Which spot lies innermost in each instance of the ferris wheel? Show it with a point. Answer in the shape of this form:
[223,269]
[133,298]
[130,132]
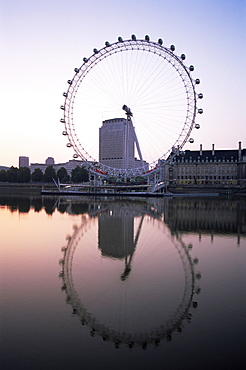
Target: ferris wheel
[141,83]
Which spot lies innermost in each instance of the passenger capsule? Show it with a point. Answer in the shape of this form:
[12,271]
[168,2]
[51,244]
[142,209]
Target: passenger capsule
[172,47]
[183,56]
[195,261]
[64,133]
[62,107]
[197,81]
[75,156]
[200,110]
[191,140]
[197,125]
[69,82]
[76,70]
[69,145]
[134,37]
[65,94]
[85,60]
[192,68]
[62,120]
[200,96]
[95,51]
[107,43]
[160,41]
[147,37]
[120,39]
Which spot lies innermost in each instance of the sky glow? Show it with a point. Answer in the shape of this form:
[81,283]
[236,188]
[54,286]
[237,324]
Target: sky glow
[42,41]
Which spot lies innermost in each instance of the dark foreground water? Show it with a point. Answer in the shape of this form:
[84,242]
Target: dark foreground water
[104,284]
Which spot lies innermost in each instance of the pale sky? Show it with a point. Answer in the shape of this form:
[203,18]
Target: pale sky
[42,41]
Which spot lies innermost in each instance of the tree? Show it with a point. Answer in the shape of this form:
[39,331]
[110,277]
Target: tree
[24,174]
[49,174]
[80,174]
[37,175]
[3,176]
[62,175]
[12,174]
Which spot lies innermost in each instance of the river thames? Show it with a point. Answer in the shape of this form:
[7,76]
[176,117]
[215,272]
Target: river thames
[123,284]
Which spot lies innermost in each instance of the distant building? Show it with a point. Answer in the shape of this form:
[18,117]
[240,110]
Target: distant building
[42,166]
[70,165]
[4,168]
[225,167]
[50,161]
[23,162]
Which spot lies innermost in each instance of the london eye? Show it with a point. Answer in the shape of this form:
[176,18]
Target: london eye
[143,83]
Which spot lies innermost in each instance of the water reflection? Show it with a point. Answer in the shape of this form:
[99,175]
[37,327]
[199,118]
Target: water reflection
[205,216]
[181,214]
[202,216]
[121,242]
[131,272]
[126,277]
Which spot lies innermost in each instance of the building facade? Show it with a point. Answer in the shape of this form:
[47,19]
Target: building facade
[23,161]
[116,143]
[222,167]
[199,167]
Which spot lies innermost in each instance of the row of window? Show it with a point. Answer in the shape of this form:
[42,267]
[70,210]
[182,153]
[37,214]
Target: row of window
[205,160]
[208,171]
[190,177]
[206,168]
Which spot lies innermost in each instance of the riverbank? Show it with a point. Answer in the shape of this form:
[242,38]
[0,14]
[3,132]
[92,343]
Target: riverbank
[225,190]
[29,188]
[35,188]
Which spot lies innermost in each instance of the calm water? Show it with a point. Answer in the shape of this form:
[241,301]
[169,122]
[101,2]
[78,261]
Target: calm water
[104,284]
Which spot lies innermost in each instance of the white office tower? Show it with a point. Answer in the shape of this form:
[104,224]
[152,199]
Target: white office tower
[116,143]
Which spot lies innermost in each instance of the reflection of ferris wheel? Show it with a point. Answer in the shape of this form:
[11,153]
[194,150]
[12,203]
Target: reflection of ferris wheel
[156,91]
[141,312]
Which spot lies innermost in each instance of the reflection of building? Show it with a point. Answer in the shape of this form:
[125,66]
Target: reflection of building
[23,162]
[206,215]
[136,314]
[119,241]
[225,167]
